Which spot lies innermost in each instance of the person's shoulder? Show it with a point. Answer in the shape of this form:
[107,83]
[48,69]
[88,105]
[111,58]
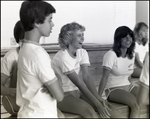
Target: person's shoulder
[36,52]
[40,51]
[111,53]
[61,54]
[81,51]
[12,52]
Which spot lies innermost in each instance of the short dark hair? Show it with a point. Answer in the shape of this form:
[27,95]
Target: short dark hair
[120,33]
[34,12]
[137,28]
[18,31]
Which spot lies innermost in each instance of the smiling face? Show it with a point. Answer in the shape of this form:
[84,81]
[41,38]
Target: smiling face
[46,28]
[126,41]
[77,39]
[143,32]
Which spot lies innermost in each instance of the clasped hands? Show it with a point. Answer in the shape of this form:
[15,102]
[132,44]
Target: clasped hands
[104,109]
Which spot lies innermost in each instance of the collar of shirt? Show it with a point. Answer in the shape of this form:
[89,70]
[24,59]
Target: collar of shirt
[29,41]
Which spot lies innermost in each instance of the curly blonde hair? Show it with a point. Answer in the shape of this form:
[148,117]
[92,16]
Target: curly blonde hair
[66,33]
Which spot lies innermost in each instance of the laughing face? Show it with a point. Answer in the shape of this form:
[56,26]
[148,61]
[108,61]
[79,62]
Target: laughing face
[78,38]
[126,41]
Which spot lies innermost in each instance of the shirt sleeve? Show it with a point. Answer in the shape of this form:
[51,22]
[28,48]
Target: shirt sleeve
[7,65]
[109,59]
[66,65]
[44,69]
[84,58]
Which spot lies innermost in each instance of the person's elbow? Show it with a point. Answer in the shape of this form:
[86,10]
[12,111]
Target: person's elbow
[60,97]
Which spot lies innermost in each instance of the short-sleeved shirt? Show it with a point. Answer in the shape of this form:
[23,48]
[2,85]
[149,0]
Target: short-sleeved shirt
[8,62]
[63,63]
[144,77]
[141,50]
[34,70]
[121,69]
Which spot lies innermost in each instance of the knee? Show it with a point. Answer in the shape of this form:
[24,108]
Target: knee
[134,105]
[88,112]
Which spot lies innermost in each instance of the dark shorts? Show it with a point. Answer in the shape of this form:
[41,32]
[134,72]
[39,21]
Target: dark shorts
[75,93]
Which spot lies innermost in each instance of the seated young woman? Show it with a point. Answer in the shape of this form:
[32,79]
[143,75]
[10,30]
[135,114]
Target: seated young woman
[9,73]
[141,47]
[118,65]
[67,64]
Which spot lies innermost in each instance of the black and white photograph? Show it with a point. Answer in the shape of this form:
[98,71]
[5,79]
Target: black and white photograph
[74,59]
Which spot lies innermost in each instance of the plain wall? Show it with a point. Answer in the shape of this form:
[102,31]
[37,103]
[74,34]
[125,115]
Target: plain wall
[100,18]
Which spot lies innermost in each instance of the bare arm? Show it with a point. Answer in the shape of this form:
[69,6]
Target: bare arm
[82,87]
[137,60]
[106,72]
[55,90]
[89,82]
[87,93]
[4,90]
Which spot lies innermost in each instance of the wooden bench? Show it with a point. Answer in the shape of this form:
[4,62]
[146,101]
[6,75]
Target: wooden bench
[96,53]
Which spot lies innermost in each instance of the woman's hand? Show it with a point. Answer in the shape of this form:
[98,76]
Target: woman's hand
[103,112]
[45,90]
[105,103]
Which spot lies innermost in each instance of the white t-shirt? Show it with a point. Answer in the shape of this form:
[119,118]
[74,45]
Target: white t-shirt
[144,77]
[7,63]
[63,63]
[34,70]
[141,50]
[121,69]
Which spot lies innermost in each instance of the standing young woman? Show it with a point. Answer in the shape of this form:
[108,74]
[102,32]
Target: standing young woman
[34,64]
[141,46]
[118,64]
[67,63]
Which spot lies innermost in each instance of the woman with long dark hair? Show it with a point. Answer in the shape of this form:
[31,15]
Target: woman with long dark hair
[118,64]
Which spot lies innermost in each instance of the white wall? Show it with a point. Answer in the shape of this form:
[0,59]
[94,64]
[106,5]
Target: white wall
[100,18]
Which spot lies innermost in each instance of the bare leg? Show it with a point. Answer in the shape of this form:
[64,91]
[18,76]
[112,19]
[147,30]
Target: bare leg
[114,112]
[75,105]
[135,91]
[126,98]
[143,95]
